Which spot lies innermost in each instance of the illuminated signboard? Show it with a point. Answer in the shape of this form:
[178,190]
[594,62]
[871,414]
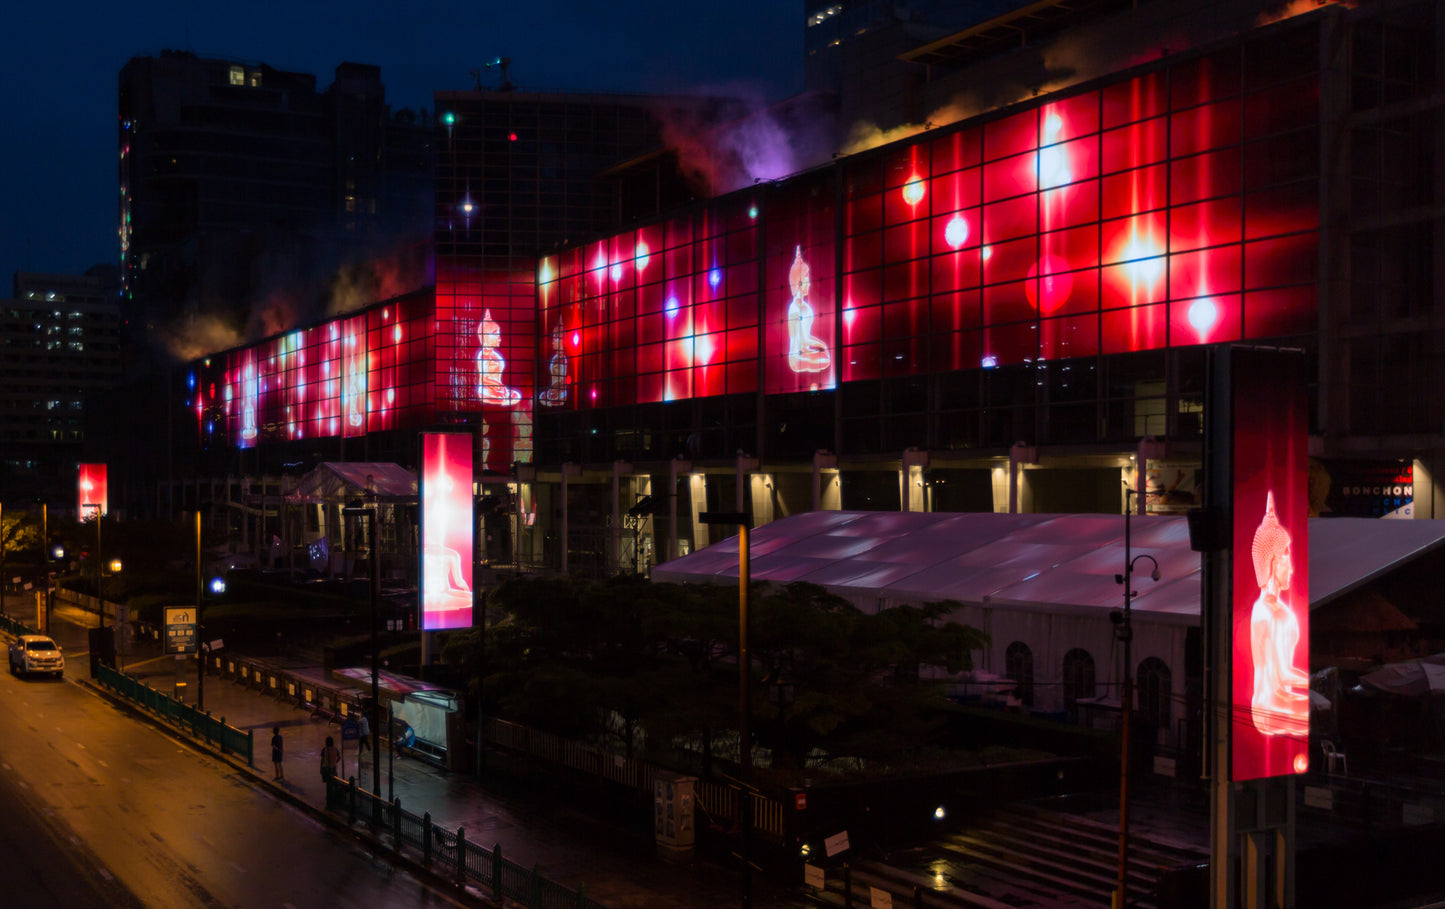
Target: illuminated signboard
[1270,599]
[446,530]
[1176,208]
[92,491]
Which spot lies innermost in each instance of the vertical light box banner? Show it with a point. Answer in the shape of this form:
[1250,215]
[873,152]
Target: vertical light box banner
[1270,575]
[446,530]
[91,491]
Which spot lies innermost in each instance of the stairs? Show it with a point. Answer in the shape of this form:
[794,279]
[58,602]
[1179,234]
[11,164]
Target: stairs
[1024,856]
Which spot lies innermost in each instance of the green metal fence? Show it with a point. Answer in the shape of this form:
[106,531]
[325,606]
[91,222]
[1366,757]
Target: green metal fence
[198,723]
[450,853]
[15,627]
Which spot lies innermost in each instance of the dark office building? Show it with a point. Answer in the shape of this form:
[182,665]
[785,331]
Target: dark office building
[247,194]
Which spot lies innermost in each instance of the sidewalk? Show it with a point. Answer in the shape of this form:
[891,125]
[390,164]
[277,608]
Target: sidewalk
[617,867]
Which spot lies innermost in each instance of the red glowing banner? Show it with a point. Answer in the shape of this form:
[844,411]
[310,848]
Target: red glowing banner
[1270,600]
[92,491]
[446,530]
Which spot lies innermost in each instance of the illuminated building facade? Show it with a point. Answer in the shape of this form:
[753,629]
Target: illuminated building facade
[1007,312]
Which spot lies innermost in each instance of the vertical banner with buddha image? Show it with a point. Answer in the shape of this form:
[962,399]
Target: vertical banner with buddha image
[1270,573]
[446,530]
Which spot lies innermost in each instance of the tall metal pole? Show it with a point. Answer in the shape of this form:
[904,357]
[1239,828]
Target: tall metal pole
[374,720]
[1127,707]
[745,745]
[200,600]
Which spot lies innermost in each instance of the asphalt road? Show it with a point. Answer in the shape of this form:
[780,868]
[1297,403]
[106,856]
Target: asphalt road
[99,809]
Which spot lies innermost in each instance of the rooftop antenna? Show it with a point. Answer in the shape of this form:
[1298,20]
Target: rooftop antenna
[503,63]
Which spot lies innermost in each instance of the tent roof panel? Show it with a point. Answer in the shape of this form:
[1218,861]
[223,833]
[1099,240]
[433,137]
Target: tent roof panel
[1062,562]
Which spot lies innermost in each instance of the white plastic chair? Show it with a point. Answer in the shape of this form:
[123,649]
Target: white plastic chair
[1334,758]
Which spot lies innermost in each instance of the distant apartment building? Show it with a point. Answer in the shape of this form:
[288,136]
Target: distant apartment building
[59,347]
[237,179]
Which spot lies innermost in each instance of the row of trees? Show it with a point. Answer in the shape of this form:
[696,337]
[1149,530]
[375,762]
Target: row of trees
[651,668]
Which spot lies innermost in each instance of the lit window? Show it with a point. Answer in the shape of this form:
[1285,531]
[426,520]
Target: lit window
[255,80]
[238,76]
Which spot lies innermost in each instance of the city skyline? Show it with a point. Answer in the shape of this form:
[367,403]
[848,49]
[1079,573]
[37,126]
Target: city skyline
[59,199]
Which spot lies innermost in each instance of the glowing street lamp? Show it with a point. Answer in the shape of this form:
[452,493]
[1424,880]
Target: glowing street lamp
[1124,631]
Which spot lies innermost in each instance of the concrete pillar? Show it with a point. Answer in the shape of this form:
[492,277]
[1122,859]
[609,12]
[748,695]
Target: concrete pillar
[825,471]
[675,467]
[614,545]
[745,466]
[697,503]
[568,470]
[1018,455]
[911,494]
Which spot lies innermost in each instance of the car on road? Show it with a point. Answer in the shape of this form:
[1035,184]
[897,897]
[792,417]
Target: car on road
[36,653]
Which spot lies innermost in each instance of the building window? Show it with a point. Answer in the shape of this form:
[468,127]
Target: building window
[1154,683]
[1018,663]
[255,80]
[238,76]
[1078,676]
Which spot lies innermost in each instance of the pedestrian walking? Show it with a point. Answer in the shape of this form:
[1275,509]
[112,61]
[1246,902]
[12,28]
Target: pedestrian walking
[363,729]
[276,747]
[330,757]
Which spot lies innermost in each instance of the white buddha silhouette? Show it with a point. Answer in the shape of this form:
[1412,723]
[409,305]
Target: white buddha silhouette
[355,382]
[444,583]
[806,352]
[248,402]
[556,392]
[1280,703]
[490,365]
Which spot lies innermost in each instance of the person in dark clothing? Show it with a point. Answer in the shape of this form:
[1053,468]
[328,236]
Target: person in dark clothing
[276,748]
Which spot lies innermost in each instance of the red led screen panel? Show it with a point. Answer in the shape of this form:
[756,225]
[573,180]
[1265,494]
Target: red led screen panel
[1147,214]
[1270,599]
[487,350]
[345,377]
[446,530]
[799,342]
[92,491]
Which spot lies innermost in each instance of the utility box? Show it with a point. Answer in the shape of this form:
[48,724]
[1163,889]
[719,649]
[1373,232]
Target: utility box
[674,806]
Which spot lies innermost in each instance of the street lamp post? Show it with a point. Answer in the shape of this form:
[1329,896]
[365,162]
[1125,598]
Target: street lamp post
[745,747]
[368,514]
[200,601]
[1124,630]
[100,600]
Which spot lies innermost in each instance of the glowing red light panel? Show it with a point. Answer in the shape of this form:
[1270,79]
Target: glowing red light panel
[346,377]
[1167,210]
[92,491]
[446,530]
[486,350]
[1271,711]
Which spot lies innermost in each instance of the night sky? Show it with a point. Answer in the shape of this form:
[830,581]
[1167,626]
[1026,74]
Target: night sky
[59,64]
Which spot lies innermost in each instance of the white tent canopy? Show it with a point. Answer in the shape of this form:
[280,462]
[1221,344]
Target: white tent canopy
[1056,562]
[1044,581]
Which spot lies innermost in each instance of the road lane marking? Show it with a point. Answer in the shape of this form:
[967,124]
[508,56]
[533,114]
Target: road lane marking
[238,868]
[105,874]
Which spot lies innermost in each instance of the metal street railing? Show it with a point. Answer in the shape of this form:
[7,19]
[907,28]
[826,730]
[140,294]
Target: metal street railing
[449,852]
[200,724]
